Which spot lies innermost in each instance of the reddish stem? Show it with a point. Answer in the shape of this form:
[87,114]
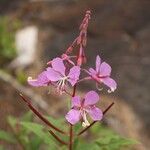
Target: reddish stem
[40,115]
[57,138]
[74,90]
[71,126]
[71,137]
[104,112]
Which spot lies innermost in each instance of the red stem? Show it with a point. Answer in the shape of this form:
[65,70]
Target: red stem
[57,138]
[74,90]
[71,137]
[40,115]
[104,112]
[71,126]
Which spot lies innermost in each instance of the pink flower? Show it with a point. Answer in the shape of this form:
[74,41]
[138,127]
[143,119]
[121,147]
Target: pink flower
[57,74]
[80,109]
[41,80]
[102,74]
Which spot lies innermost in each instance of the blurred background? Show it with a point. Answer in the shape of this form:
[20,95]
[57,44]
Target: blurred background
[34,31]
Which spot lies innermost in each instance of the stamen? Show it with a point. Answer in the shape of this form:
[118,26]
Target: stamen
[61,84]
[85,123]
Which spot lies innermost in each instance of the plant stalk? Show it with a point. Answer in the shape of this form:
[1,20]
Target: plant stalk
[57,138]
[71,137]
[40,115]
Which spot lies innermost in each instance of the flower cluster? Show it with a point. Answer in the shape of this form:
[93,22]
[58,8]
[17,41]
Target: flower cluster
[65,71]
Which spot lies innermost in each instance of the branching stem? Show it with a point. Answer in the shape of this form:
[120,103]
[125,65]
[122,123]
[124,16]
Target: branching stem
[104,112]
[40,115]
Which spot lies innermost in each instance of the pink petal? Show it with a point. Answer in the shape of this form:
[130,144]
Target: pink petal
[73,116]
[74,75]
[105,69]
[110,83]
[98,63]
[41,80]
[92,72]
[52,74]
[58,65]
[76,102]
[95,113]
[91,98]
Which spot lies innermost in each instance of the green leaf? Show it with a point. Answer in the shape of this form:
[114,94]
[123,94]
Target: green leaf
[114,142]
[7,137]
[39,131]
[35,142]
[28,116]
[87,146]
[59,122]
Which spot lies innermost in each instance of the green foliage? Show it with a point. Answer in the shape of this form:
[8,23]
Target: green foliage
[39,131]
[21,77]
[6,136]
[33,135]
[104,139]
[7,39]
[23,135]
[114,142]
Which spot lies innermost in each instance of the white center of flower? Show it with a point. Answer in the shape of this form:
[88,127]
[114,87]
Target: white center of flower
[85,122]
[61,84]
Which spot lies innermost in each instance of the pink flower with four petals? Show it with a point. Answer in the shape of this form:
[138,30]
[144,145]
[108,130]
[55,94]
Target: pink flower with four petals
[102,74]
[80,109]
[57,74]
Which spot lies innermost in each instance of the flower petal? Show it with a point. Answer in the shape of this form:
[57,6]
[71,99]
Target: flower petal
[52,74]
[91,98]
[41,80]
[73,116]
[92,72]
[105,69]
[58,65]
[74,75]
[95,113]
[110,83]
[76,102]
[98,63]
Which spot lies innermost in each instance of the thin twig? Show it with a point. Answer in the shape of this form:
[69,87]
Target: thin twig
[104,112]
[40,115]
[57,138]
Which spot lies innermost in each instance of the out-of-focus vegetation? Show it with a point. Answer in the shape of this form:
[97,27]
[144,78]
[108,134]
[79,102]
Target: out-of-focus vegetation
[21,77]
[31,135]
[7,39]
[7,44]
